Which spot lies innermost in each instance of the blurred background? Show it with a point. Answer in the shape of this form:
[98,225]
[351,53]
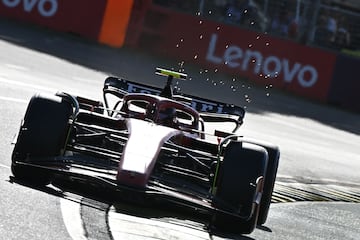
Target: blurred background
[330,24]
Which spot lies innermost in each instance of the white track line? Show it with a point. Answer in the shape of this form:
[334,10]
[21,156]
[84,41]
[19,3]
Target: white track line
[28,85]
[10,99]
[4,166]
[123,226]
[72,219]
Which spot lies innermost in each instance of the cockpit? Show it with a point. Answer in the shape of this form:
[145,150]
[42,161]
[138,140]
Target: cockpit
[160,110]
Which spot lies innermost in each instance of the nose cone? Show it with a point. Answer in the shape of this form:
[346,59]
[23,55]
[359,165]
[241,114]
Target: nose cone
[141,151]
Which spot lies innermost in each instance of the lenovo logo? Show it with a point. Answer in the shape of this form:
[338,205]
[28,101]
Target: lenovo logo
[271,66]
[46,8]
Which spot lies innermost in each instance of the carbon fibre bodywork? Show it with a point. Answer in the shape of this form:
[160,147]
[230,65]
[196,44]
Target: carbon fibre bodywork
[126,146]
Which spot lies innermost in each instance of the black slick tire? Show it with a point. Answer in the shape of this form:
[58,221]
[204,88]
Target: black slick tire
[270,177]
[42,135]
[243,164]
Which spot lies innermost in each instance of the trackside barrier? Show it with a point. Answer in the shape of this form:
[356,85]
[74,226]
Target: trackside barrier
[259,57]
[305,71]
[101,20]
[75,16]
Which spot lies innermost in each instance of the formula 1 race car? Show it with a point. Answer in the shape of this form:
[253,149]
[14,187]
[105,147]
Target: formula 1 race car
[151,142]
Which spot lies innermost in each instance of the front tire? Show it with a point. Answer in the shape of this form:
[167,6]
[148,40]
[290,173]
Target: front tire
[42,135]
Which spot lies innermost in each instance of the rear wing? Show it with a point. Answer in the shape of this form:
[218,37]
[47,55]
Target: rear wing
[210,110]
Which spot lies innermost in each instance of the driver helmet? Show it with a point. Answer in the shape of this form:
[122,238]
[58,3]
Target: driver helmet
[167,116]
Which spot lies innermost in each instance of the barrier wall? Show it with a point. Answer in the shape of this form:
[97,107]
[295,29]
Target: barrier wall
[76,16]
[105,21]
[259,57]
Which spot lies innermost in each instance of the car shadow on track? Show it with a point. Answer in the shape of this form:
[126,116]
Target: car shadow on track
[64,190]
[44,189]
[176,216]
[125,62]
[103,201]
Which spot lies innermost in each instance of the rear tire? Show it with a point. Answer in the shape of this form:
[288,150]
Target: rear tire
[270,177]
[243,164]
[42,135]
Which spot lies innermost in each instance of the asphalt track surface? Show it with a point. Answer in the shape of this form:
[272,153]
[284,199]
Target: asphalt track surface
[319,144]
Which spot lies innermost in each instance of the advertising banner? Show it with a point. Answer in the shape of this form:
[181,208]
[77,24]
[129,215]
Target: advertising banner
[259,57]
[75,16]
